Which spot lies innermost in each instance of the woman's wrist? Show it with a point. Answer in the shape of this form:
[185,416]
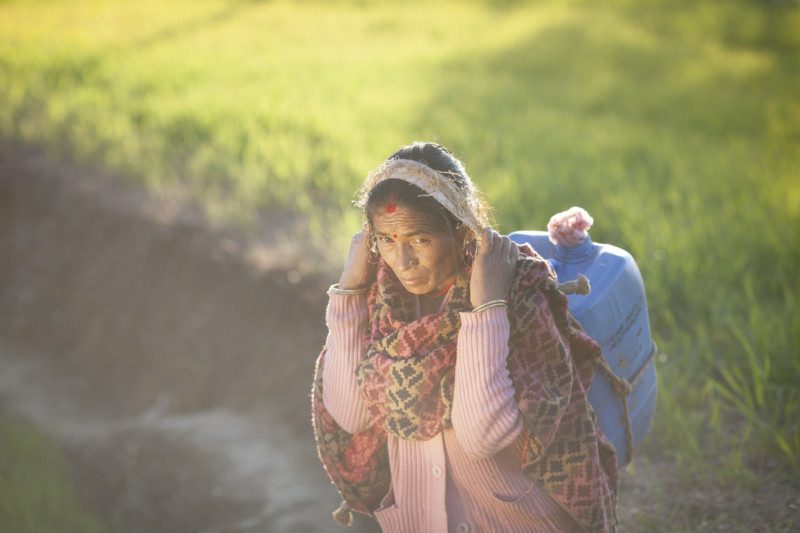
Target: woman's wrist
[337,288]
[354,282]
[489,305]
[487,296]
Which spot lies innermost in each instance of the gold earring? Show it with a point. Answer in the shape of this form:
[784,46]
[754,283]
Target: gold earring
[468,251]
[373,251]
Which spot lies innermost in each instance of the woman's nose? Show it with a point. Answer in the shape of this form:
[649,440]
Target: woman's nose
[406,258]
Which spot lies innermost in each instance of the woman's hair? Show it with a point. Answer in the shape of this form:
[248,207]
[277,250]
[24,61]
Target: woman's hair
[400,192]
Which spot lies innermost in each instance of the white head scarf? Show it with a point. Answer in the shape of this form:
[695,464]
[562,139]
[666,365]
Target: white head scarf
[460,198]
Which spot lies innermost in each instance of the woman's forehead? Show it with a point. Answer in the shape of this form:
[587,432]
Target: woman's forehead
[402,220]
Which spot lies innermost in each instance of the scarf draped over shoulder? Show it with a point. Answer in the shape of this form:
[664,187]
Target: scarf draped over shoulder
[406,381]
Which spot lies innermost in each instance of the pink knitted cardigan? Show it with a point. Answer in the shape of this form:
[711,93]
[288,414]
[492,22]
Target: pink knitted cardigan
[573,464]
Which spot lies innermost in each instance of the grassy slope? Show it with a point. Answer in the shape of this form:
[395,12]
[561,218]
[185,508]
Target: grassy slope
[37,493]
[677,124]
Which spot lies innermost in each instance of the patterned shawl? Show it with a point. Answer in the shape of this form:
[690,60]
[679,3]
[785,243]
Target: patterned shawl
[406,380]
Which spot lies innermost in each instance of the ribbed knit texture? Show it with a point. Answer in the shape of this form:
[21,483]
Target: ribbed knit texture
[469,475]
[347,318]
[485,415]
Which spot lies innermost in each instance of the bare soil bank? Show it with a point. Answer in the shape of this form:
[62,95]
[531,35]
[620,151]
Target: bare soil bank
[178,360]
[140,306]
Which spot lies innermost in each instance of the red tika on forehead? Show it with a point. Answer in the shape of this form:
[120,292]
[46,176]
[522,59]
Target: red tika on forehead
[390,208]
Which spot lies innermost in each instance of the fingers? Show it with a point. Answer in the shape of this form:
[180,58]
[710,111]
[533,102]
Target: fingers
[364,240]
[487,242]
[360,247]
[494,244]
[358,242]
[513,252]
[505,248]
[358,270]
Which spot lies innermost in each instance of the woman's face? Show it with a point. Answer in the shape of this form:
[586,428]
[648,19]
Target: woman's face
[423,258]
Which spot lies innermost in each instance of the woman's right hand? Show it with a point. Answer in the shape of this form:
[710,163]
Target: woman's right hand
[358,271]
[493,268]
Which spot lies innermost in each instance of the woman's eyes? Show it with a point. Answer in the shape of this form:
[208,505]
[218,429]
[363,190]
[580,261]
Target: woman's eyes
[419,241]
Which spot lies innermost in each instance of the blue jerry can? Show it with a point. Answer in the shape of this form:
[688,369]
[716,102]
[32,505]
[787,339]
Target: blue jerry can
[614,313]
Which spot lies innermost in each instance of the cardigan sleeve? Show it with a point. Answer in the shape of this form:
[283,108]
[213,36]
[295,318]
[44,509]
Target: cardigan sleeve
[347,319]
[485,415]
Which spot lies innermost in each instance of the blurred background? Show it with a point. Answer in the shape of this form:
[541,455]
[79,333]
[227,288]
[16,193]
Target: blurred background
[176,186]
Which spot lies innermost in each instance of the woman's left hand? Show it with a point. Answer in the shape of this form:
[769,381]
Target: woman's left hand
[493,268]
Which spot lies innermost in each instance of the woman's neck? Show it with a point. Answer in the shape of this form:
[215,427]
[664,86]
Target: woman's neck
[431,303]
[428,305]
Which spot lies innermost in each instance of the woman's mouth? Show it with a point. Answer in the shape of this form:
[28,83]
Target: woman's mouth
[418,280]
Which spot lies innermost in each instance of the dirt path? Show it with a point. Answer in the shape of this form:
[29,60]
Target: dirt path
[172,360]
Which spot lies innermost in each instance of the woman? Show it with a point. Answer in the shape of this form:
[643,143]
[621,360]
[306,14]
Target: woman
[451,394]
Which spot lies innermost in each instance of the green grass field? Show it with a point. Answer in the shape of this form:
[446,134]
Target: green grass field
[675,123]
[37,491]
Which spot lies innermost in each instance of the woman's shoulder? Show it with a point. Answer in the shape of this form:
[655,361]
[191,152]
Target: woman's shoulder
[533,270]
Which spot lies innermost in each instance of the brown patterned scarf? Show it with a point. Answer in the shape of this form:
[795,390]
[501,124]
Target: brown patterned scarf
[406,381]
